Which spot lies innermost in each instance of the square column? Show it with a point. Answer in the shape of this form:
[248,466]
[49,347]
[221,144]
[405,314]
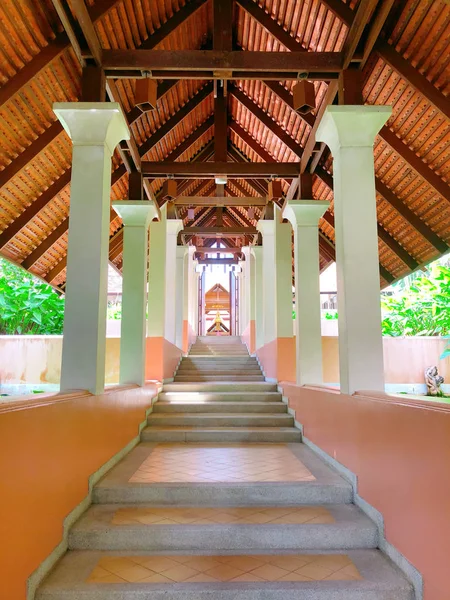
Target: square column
[350,131]
[95,129]
[249,282]
[173,227]
[304,217]
[181,293]
[277,278]
[257,252]
[136,216]
[242,297]
[156,277]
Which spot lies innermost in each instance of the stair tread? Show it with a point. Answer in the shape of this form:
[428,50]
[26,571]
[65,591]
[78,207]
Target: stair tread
[224,414]
[378,578]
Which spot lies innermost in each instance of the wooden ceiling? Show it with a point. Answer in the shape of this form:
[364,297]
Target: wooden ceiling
[400,47]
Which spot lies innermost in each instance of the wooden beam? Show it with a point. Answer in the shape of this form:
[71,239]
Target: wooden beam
[219,231]
[217,261]
[220,120]
[208,170]
[409,156]
[340,10]
[360,20]
[186,62]
[223,25]
[206,250]
[262,116]
[269,24]
[60,44]
[414,77]
[376,26]
[65,16]
[173,121]
[220,201]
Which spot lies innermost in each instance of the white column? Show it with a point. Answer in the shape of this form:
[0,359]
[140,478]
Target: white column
[257,252]
[350,132]
[304,217]
[95,129]
[181,293]
[156,277]
[174,226]
[195,298]
[136,216]
[242,297]
[189,292]
[249,293]
[277,278]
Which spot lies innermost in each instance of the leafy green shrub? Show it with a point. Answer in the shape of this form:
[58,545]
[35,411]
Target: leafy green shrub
[422,309]
[28,306]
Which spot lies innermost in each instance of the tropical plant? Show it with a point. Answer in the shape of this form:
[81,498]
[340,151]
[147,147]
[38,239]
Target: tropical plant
[28,306]
[421,309]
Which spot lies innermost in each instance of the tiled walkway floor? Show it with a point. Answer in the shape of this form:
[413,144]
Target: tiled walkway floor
[211,516]
[197,569]
[205,463]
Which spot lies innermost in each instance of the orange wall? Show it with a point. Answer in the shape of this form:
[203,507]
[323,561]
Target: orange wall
[188,336]
[162,359]
[400,452]
[48,450]
[278,359]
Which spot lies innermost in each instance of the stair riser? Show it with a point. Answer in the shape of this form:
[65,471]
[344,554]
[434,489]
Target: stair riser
[222,421]
[235,538]
[198,494]
[230,378]
[219,372]
[236,388]
[205,397]
[220,407]
[219,366]
[275,437]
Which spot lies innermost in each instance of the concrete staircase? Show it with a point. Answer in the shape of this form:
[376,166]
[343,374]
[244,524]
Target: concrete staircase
[243,511]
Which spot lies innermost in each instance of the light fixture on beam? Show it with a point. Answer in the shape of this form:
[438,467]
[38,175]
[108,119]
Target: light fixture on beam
[169,192]
[146,93]
[304,100]
[221,180]
[191,213]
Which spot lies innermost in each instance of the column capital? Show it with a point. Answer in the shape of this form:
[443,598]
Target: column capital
[93,123]
[174,226]
[135,213]
[246,251]
[257,251]
[182,251]
[266,227]
[352,125]
[305,213]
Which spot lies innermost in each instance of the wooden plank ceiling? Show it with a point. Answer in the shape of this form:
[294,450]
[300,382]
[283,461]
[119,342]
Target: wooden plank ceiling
[400,47]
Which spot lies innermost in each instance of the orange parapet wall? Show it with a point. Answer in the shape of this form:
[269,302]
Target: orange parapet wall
[278,359]
[48,450]
[400,452]
[162,359]
[249,337]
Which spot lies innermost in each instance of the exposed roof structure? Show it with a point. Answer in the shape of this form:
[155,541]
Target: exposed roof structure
[401,48]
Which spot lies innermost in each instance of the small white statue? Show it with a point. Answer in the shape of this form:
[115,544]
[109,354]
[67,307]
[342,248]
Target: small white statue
[433,381]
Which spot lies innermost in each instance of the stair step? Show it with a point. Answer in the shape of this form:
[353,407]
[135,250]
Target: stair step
[377,578]
[215,420]
[194,406]
[225,386]
[221,434]
[233,372]
[241,529]
[220,396]
[230,377]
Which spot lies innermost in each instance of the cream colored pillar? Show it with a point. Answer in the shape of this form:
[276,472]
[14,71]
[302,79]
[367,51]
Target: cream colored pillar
[350,132]
[304,217]
[156,277]
[174,226]
[181,292]
[136,216]
[242,275]
[277,278]
[257,252]
[95,129]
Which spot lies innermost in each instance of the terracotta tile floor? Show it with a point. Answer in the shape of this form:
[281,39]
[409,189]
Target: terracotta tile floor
[213,516]
[221,463]
[190,569]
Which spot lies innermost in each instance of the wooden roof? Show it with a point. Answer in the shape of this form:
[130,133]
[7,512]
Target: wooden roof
[401,47]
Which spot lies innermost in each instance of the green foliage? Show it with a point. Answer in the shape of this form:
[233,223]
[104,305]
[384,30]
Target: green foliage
[331,316]
[422,309]
[28,306]
[114,311]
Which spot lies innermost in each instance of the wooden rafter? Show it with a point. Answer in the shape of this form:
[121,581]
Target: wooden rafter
[208,170]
